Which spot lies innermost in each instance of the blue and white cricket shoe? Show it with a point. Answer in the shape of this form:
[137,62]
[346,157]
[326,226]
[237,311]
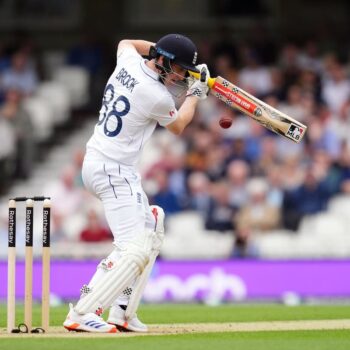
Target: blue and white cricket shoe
[117,318]
[89,322]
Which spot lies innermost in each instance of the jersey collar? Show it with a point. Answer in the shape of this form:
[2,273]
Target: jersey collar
[148,71]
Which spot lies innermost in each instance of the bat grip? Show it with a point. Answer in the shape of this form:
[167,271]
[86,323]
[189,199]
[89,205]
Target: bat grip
[211,81]
[203,75]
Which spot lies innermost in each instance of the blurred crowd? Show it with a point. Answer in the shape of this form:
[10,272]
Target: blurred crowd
[247,179]
[18,79]
[242,180]
[40,91]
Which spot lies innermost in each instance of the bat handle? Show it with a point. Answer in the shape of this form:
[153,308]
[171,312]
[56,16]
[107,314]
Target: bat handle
[203,75]
[211,81]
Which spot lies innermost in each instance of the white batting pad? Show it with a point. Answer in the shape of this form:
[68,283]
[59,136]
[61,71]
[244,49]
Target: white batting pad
[127,269]
[158,212]
[141,282]
[139,288]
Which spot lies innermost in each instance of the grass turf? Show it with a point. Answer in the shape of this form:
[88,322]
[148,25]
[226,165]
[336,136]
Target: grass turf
[199,313]
[282,340]
[301,340]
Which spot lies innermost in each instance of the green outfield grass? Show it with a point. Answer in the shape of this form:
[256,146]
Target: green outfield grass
[279,340]
[293,340]
[201,314]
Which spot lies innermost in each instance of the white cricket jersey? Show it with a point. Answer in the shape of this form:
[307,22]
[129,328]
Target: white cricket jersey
[134,102]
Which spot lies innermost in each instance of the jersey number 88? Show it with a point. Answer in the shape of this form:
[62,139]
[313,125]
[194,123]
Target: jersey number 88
[116,125]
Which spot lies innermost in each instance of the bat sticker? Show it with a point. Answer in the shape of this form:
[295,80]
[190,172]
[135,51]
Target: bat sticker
[258,112]
[295,132]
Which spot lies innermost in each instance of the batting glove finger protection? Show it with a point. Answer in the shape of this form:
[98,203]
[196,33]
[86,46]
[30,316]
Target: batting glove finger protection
[200,87]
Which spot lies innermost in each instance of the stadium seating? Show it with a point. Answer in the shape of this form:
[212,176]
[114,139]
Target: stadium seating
[58,97]
[41,114]
[76,81]
[186,238]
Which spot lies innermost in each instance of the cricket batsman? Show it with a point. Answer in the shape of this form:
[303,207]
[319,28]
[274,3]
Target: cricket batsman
[137,97]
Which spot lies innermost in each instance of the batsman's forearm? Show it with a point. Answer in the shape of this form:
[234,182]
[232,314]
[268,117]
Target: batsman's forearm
[185,115]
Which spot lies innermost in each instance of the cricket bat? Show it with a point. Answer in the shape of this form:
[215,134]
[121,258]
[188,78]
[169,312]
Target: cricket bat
[260,111]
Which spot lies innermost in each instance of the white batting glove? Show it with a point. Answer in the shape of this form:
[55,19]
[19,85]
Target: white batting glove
[200,87]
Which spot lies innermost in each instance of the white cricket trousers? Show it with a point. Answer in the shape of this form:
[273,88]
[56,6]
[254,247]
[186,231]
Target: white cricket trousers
[125,204]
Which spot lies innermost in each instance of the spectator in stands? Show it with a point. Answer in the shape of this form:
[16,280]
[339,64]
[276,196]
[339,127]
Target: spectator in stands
[293,105]
[238,150]
[7,149]
[94,230]
[327,171]
[322,133]
[310,84]
[215,160]
[343,166]
[199,192]
[67,205]
[254,78]
[293,173]
[309,57]
[237,175]
[177,176]
[21,75]
[164,197]
[220,213]
[199,143]
[172,162]
[12,110]
[311,197]
[341,125]
[257,215]
[268,155]
[253,143]
[336,88]
[278,84]
[288,150]
[274,178]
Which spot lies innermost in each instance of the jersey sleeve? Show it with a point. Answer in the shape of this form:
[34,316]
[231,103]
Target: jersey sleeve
[164,111]
[127,55]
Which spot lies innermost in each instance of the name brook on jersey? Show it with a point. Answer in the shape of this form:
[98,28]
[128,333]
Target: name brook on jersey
[126,79]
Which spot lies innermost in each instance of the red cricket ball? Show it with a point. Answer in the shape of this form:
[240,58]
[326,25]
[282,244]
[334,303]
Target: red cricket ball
[225,122]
